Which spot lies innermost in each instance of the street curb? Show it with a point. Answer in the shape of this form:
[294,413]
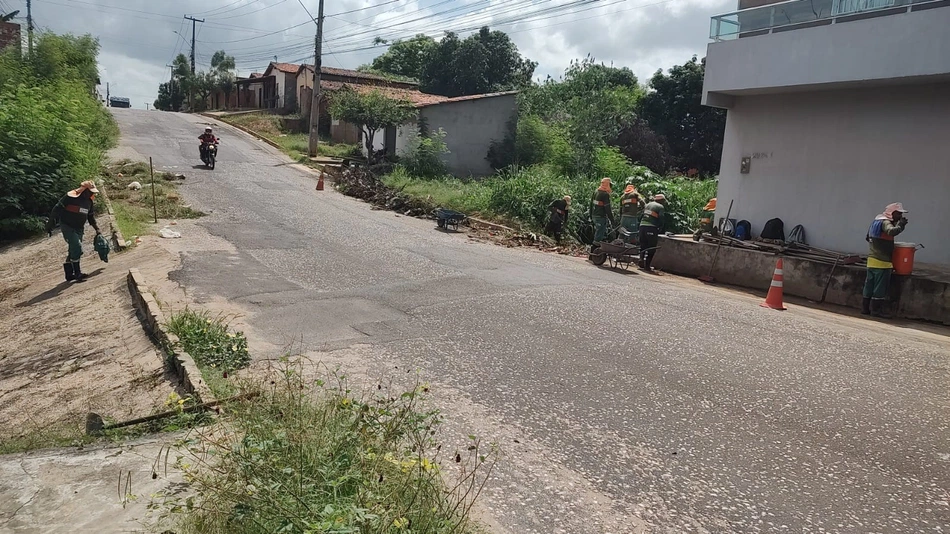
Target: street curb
[153,320]
[243,129]
[117,239]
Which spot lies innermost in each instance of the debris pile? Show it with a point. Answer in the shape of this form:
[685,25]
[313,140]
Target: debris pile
[364,184]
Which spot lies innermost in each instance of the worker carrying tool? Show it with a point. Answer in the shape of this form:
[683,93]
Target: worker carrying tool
[706,220]
[559,209]
[880,237]
[600,210]
[651,224]
[73,211]
[631,209]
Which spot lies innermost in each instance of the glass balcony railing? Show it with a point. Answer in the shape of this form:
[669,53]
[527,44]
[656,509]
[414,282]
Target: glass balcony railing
[802,14]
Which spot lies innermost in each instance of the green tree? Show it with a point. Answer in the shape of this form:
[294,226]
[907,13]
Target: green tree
[592,102]
[67,57]
[170,97]
[203,84]
[405,57]
[484,62]
[370,112]
[223,67]
[675,111]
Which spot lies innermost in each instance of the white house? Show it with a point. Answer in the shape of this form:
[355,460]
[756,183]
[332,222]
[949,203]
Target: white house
[835,109]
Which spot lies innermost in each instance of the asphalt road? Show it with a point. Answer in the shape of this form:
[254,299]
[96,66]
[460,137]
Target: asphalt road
[639,403]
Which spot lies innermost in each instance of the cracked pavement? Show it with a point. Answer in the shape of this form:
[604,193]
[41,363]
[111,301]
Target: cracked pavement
[639,404]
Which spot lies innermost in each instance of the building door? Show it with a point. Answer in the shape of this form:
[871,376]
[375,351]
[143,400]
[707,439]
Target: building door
[390,141]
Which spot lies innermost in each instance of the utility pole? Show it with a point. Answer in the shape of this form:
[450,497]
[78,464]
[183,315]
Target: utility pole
[108,101]
[193,26]
[317,67]
[29,27]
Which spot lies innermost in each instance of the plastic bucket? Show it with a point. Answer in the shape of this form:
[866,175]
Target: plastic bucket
[903,258]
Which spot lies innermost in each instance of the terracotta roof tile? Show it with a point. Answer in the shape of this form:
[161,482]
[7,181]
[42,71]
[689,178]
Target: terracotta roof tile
[291,68]
[355,74]
[446,100]
[418,98]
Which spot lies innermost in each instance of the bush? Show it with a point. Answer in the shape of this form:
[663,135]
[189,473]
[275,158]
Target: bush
[53,131]
[609,162]
[11,229]
[208,340]
[423,155]
[533,142]
[304,457]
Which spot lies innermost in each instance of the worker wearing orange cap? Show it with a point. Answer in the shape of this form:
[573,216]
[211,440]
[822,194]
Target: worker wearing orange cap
[600,210]
[631,209]
[651,224]
[706,220]
[73,211]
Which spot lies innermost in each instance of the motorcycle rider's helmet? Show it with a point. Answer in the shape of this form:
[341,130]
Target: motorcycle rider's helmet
[208,130]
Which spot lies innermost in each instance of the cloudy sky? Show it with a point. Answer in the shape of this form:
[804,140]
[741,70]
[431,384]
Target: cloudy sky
[140,37]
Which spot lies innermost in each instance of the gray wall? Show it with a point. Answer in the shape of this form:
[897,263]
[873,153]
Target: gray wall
[831,161]
[877,50]
[470,127]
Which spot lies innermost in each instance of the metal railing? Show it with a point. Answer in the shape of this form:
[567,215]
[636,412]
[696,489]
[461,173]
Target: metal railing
[803,14]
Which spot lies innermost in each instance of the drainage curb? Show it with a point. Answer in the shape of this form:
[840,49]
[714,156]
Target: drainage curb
[180,362]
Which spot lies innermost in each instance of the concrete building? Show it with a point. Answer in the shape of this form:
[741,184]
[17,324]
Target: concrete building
[835,109]
[285,79]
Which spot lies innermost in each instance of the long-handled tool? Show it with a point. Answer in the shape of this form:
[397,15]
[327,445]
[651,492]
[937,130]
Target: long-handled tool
[708,278]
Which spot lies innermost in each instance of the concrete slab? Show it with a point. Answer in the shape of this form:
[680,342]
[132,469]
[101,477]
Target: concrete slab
[80,491]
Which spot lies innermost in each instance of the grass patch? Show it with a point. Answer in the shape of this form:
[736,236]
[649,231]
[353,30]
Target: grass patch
[217,350]
[295,145]
[468,196]
[134,211]
[308,457]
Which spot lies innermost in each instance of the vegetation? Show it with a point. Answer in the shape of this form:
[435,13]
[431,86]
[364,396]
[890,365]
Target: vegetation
[134,208]
[217,350]
[296,145]
[173,94]
[310,457]
[404,58]
[424,155]
[370,112]
[53,130]
[484,62]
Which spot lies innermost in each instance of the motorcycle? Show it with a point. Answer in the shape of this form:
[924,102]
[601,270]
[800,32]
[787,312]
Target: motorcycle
[209,153]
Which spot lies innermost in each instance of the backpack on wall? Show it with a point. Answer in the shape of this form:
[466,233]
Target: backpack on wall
[774,229]
[743,230]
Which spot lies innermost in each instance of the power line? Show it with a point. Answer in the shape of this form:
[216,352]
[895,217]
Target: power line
[252,12]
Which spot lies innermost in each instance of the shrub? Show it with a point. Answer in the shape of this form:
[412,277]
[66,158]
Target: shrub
[424,153]
[53,131]
[208,340]
[303,457]
[609,162]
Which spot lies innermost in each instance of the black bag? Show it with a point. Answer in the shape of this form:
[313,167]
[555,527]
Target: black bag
[774,229]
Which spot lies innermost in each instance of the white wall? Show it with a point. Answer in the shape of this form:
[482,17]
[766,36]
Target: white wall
[470,127]
[887,48]
[832,160]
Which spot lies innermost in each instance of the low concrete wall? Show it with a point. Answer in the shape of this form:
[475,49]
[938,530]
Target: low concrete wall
[153,320]
[916,297]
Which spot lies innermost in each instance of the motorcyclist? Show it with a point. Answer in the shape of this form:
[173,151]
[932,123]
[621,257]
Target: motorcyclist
[206,139]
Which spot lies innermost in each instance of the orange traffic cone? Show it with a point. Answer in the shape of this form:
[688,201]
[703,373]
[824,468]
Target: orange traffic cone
[774,298]
[320,183]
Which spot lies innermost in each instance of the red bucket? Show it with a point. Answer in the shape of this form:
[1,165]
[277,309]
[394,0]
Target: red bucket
[903,258]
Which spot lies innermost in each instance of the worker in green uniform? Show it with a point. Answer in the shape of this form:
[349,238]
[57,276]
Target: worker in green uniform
[706,220]
[600,210]
[880,237]
[631,209]
[651,224]
[73,211]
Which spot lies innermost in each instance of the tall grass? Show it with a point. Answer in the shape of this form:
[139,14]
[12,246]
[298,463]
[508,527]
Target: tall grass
[295,145]
[308,457]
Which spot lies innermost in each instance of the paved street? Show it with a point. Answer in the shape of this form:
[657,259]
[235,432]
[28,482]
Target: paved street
[638,403]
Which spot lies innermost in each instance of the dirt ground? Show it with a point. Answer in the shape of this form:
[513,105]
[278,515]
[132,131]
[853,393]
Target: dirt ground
[68,349]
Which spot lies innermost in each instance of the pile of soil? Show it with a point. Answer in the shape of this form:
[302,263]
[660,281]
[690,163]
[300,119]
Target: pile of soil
[364,183]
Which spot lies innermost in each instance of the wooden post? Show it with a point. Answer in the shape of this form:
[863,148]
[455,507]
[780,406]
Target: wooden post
[151,172]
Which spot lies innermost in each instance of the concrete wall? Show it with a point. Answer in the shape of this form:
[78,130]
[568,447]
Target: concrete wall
[916,297]
[882,49]
[470,127]
[832,160]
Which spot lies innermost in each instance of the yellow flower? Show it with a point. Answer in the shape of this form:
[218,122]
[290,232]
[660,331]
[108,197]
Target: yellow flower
[400,522]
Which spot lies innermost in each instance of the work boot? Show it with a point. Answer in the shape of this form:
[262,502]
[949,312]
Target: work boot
[877,309]
[78,275]
[866,306]
[68,270]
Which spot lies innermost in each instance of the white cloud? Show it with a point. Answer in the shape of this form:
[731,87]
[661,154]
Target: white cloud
[138,36]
